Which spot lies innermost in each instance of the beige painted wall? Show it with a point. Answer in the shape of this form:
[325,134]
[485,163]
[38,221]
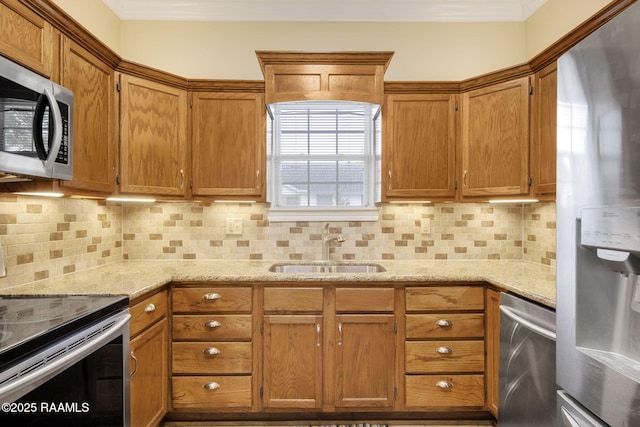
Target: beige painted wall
[424,51]
[555,19]
[97,18]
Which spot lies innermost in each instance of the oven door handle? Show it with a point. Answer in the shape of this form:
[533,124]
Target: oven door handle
[528,324]
[13,390]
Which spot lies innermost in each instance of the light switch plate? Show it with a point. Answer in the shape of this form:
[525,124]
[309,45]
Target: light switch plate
[425,226]
[234,226]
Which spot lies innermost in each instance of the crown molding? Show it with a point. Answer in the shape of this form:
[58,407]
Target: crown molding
[327,10]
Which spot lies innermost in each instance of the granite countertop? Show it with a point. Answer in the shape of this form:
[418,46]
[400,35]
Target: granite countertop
[136,278]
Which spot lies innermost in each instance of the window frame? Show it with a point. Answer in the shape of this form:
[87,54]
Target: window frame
[371,176]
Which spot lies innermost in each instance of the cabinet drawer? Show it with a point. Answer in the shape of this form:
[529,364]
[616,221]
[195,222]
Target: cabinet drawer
[445,325]
[444,390]
[211,300]
[302,300]
[214,327]
[435,298]
[147,312]
[212,358]
[444,356]
[364,300]
[208,392]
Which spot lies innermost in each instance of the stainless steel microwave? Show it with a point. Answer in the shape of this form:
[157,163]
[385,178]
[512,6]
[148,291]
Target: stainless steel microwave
[36,126]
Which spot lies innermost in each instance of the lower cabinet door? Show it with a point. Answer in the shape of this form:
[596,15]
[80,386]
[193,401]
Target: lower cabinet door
[149,378]
[292,361]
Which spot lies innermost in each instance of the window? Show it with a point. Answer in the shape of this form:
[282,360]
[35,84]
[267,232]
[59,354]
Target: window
[324,160]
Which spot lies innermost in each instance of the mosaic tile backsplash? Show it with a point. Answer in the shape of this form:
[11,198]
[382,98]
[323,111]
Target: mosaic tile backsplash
[43,238]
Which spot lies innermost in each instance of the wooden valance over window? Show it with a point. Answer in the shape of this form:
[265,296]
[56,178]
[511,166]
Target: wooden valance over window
[344,76]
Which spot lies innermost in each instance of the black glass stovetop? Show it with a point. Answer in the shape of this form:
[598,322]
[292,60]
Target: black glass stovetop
[29,323]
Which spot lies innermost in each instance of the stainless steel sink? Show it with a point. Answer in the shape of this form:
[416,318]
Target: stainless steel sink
[326,267]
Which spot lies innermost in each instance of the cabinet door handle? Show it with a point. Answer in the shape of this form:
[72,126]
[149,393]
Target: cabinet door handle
[212,324]
[389,186]
[135,365]
[181,179]
[444,384]
[150,308]
[464,178]
[258,181]
[211,386]
[339,333]
[444,323]
[444,350]
[318,335]
[211,297]
[211,351]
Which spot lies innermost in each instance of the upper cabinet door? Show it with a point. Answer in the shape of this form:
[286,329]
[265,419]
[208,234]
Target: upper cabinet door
[419,146]
[543,132]
[153,138]
[26,37]
[495,140]
[228,144]
[94,133]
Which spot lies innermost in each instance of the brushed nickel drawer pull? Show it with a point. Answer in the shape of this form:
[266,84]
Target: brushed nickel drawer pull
[211,351]
[444,350]
[444,323]
[211,296]
[150,308]
[318,335]
[444,384]
[211,386]
[213,324]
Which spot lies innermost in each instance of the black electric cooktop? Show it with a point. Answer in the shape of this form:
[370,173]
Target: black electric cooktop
[29,323]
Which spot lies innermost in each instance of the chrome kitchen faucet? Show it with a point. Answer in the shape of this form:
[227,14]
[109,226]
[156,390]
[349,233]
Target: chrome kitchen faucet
[326,239]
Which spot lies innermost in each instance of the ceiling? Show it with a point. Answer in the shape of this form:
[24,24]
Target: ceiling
[326,10]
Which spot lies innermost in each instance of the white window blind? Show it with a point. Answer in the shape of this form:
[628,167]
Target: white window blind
[322,155]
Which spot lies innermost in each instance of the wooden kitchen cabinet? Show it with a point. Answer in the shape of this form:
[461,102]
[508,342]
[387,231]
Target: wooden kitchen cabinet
[26,37]
[543,132]
[94,130]
[149,360]
[495,140]
[228,145]
[153,138]
[444,348]
[293,348]
[212,348]
[419,156]
[493,349]
[329,348]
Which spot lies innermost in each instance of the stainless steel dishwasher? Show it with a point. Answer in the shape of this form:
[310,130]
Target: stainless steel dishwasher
[527,364]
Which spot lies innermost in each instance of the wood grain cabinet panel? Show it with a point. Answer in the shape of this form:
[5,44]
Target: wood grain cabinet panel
[212,299]
[215,327]
[495,140]
[149,393]
[293,359]
[444,325]
[228,144]
[212,357]
[212,392]
[440,298]
[543,132]
[444,356]
[419,147]
[153,138]
[26,37]
[429,392]
[94,130]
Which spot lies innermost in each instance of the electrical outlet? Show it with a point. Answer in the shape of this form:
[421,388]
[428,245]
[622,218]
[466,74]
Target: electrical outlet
[234,226]
[425,226]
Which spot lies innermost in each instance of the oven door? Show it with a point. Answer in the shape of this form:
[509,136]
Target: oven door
[82,380]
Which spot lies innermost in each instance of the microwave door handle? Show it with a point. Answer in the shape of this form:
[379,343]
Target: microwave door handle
[38,119]
[55,129]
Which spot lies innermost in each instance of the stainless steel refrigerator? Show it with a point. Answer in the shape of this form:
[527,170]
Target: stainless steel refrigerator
[598,227]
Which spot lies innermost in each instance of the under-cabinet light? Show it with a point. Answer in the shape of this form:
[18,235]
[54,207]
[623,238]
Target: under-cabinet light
[40,194]
[130,199]
[514,201]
